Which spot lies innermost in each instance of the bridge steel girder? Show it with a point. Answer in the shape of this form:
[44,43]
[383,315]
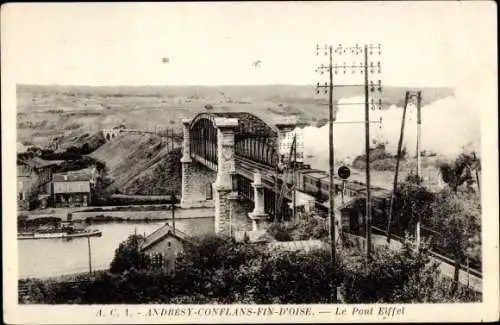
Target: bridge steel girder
[247,169]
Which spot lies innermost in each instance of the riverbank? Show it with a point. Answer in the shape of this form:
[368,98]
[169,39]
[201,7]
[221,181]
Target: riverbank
[76,276]
[131,214]
[64,211]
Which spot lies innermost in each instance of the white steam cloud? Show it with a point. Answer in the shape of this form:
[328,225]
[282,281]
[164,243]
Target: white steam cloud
[449,126]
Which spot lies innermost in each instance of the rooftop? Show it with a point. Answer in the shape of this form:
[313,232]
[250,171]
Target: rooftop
[21,148]
[73,176]
[162,232]
[317,175]
[37,162]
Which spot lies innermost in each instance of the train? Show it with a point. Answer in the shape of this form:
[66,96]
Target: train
[316,183]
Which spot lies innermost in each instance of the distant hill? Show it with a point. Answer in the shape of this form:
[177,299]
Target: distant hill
[263,92]
[45,112]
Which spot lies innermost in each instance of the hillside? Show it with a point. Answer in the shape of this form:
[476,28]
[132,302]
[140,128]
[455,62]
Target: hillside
[129,157]
[162,178]
[44,112]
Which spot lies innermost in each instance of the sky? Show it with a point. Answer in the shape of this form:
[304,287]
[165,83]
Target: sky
[423,43]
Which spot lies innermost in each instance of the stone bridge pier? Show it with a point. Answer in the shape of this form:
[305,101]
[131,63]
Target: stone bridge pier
[224,189]
[197,180]
[202,187]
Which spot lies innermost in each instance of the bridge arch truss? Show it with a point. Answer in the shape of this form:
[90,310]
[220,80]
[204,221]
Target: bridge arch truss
[254,139]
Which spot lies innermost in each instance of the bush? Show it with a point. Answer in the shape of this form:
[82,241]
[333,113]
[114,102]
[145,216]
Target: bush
[314,227]
[296,277]
[279,231]
[72,126]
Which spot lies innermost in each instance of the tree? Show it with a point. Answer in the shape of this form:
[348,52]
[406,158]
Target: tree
[128,255]
[411,204]
[457,216]
[32,194]
[219,269]
[391,276]
[414,179]
[461,171]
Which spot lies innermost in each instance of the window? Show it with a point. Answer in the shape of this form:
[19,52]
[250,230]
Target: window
[21,196]
[156,259]
[208,191]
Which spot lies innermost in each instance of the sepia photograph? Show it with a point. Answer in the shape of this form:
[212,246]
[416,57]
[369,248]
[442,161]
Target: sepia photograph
[250,162]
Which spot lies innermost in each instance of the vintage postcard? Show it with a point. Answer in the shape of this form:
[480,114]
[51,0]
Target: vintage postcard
[253,162]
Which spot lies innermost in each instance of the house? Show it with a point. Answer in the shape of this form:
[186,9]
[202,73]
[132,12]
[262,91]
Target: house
[34,177]
[74,188]
[164,245]
[21,148]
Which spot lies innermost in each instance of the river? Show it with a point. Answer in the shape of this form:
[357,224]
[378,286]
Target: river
[53,257]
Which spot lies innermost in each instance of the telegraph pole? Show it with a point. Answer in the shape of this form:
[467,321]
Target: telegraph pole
[419,122]
[368,222]
[400,144]
[173,198]
[90,256]
[294,179]
[369,86]
[419,129]
[331,212]
[476,160]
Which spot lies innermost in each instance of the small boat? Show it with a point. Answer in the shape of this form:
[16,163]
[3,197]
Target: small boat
[59,234]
